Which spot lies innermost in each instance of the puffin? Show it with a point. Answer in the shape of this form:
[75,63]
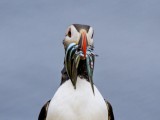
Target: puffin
[77,97]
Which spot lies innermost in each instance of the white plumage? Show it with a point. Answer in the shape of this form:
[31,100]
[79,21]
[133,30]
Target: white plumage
[77,104]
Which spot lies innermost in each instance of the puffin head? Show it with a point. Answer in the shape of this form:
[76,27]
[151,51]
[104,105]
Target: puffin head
[81,35]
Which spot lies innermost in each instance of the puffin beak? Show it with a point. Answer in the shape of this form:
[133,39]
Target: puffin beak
[83,43]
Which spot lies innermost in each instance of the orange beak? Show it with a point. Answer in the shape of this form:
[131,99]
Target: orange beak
[83,43]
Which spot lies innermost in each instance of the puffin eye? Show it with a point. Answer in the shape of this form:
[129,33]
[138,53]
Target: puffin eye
[92,35]
[69,33]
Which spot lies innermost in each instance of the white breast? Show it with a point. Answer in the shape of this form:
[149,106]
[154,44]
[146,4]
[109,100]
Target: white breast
[77,104]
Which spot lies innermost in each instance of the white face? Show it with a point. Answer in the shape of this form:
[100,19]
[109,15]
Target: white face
[73,36]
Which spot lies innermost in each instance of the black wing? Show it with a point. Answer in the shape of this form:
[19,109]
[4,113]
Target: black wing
[43,112]
[110,111]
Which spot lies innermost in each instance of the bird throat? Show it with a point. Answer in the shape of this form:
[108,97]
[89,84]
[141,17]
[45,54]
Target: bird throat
[81,72]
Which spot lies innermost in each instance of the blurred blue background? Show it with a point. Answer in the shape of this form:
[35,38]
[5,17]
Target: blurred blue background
[127,40]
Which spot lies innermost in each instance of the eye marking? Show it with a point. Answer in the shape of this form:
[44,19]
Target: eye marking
[91,32]
[69,34]
[92,35]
